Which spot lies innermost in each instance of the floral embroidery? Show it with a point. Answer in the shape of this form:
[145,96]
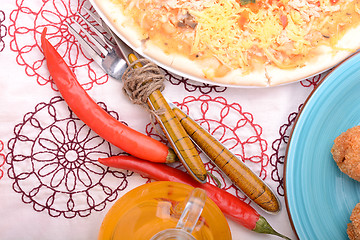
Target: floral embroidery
[279,146]
[30,19]
[233,127]
[2,159]
[3,31]
[312,81]
[53,162]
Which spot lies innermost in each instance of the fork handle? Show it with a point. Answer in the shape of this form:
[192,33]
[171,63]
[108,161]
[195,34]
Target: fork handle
[241,175]
[175,133]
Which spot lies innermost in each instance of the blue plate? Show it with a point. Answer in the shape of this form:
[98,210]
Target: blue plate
[319,197]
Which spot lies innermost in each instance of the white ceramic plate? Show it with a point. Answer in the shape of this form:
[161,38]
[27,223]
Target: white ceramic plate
[185,68]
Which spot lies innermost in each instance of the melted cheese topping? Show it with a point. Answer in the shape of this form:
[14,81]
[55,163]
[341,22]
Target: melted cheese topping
[226,35]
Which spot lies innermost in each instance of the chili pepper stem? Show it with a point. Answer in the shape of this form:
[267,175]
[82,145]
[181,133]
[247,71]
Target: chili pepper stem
[262,226]
[171,157]
[230,205]
[217,181]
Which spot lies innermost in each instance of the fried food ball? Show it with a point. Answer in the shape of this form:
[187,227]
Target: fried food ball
[353,228]
[346,152]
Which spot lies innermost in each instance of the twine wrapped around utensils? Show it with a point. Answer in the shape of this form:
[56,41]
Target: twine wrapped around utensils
[140,82]
[143,83]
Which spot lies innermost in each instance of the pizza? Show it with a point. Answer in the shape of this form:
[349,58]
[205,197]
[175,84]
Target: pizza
[239,42]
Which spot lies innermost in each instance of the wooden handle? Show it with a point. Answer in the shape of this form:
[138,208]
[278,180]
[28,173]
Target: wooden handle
[242,177]
[175,133]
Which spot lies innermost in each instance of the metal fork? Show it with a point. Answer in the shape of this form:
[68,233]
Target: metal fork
[114,60]
[101,49]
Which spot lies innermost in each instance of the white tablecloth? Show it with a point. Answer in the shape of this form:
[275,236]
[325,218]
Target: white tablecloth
[68,199]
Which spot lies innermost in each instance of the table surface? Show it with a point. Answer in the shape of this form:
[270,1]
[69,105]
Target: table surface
[43,199]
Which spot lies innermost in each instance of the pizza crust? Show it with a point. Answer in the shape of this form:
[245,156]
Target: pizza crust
[322,63]
[178,64]
[327,59]
[193,70]
[113,17]
[174,63]
[351,40]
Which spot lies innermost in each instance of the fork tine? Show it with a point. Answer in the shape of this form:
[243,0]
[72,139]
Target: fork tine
[118,47]
[96,18]
[105,40]
[88,48]
[101,48]
[100,23]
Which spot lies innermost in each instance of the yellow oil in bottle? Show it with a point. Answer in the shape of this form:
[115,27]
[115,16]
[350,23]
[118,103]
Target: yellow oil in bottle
[153,207]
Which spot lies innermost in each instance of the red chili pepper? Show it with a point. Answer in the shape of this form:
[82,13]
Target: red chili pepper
[334,1]
[231,206]
[95,117]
